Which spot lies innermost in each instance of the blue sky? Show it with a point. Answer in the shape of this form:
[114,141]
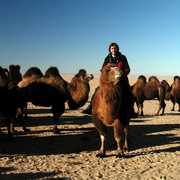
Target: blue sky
[75,34]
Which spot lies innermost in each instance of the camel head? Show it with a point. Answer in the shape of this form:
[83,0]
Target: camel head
[176,77]
[166,86]
[3,77]
[79,89]
[110,74]
[83,76]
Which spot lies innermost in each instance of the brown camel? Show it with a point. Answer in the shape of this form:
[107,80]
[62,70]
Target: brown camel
[172,93]
[76,92]
[110,106]
[143,90]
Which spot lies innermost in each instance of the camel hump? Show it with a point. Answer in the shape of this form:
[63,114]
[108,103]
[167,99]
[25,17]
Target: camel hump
[52,71]
[154,79]
[33,71]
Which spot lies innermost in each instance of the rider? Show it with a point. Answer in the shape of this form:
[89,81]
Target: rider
[116,57]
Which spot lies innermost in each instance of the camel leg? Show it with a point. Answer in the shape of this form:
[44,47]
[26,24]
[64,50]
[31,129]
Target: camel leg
[126,132]
[141,107]
[173,101]
[118,129]
[138,107]
[173,106]
[160,106]
[163,106]
[19,117]
[57,111]
[179,108]
[55,122]
[102,129]
[9,124]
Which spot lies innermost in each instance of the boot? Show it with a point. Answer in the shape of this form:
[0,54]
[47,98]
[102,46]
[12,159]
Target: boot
[88,110]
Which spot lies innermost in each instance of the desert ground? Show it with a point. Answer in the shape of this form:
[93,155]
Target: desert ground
[154,146]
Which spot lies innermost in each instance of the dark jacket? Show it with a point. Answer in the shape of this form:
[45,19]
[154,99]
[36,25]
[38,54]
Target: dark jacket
[121,60]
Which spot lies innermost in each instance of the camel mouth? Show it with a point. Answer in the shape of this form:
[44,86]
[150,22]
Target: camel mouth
[90,77]
[118,74]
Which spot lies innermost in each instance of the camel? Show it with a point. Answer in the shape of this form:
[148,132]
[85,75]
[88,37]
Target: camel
[110,106]
[3,78]
[14,76]
[39,94]
[143,90]
[6,103]
[172,93]
[76,92]
[176,91]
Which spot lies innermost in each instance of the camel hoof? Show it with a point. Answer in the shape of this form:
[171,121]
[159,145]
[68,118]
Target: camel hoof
[26,130]
[125,148]
[56,131]
[14,131]
[119,155]
[101,155]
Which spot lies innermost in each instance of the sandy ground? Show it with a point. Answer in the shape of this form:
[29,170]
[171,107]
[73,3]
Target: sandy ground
[154,146]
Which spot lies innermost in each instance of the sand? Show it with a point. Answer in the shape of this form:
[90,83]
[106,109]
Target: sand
[154,146]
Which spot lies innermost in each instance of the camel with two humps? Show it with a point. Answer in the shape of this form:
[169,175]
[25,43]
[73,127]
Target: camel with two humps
[110,107]
[143,90]
[76,92]
[172,92]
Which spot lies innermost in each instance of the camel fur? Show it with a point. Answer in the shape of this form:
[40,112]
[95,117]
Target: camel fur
[110,107]
[143,90]
[76,92]
[172,93]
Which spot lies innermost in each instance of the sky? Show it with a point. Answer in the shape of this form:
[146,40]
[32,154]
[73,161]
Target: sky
[75,34]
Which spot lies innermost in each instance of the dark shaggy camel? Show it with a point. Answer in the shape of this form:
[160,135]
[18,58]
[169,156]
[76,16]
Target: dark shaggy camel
[39,94]
[8,107]
[14,76]
[172,93]
[110,106]
[143,90]
[31,75]
[3,78]
[76,92]
[7,102]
